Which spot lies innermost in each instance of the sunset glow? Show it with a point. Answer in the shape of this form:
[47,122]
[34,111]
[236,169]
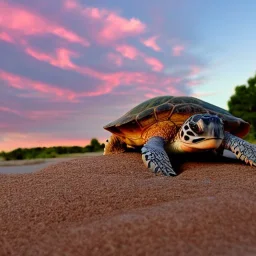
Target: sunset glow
[68,67]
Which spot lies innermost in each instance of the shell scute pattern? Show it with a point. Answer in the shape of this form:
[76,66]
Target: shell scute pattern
[163,111]
[173,109]
[146,117]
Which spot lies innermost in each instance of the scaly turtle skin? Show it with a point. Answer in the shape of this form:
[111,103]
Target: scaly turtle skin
[167,125]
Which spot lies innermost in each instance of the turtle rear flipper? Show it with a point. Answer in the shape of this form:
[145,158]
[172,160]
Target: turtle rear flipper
[114,145]
[155,158]
[243,150]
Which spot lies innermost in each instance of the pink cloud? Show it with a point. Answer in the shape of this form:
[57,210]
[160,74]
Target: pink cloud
[165,91]
[194,83]
[95,13]
[195,70]
[166,86]
[9,110]
[106,29]
[128,51]
[108,81]
[41,115]
[62,59]
[172,80]
[115,58]
[156,64]
[71,4]
[18,20]
[48,115]
[58,93]
[4,125]
[151,43]
[116,27]
[112,26]
[143,79]
[5,37]
[91,12]
[69,36]
[132,53]
[47,90]
[177,50]
[152,95]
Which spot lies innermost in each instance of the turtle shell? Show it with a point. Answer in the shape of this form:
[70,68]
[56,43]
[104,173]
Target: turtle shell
[176,110]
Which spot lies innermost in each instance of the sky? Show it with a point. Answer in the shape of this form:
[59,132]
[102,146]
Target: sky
[69,67]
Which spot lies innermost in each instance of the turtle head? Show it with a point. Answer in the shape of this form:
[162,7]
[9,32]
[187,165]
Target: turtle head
[201,132]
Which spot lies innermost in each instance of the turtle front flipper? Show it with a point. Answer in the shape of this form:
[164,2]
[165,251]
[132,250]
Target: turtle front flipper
[155,158]
[242,149]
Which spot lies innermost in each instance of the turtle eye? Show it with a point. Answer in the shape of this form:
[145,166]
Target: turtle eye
[194,127]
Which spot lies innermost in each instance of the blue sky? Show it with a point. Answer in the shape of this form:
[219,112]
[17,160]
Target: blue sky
[68,67]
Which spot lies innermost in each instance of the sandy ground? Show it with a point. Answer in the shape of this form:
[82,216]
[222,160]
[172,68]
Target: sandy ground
[112,205]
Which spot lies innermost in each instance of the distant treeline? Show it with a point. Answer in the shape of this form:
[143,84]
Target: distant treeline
[51,152]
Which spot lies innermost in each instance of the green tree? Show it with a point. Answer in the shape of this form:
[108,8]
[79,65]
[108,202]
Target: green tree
[95,145]
[88,148]
[243,104]
[43,152]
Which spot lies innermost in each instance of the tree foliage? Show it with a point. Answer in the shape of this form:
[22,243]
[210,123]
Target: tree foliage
[51,152]
[243,104]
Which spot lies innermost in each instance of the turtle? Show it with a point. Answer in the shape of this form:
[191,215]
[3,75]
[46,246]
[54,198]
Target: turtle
[163,126]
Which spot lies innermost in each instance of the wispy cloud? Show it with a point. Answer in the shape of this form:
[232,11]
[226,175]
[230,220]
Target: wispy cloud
[115,58]
[9,110]
[45,90]
[116,27]
[133,53]
[151,43]
[48,115]
[195,82]
[195,70]
[177,50]
[128,51]
[86,65]
[109,26]
[5,37]
[154,63]
[17,20]
[61,60]
[110,80]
